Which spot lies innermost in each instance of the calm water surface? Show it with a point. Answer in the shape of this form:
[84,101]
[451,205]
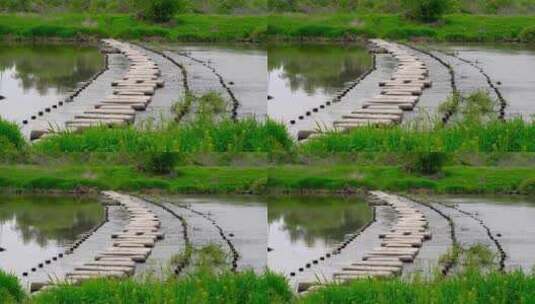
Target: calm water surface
[511,65]
[302,77]
[34,228]
[305,228]
[33,77]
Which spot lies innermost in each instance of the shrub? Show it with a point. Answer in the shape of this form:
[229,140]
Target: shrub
[426,10]
[427,163]
[160,162]
[528,34]
[527,186]
[158,10]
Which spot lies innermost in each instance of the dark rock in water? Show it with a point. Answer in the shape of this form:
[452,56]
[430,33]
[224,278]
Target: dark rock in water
[231,83]
[269,249]
[498,234]
[36,134]
[269,97]
[304,134]
[2,249]
[2,97]
[499,83]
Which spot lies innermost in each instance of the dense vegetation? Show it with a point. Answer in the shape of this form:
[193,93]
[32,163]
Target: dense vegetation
[396,6]
[344,26]
[248,287]
[133,6]
[340,26]
[82,26]
[259,6]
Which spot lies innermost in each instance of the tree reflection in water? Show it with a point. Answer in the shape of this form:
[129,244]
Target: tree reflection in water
[42,219]
[313,67]
[43,67]
[312,218]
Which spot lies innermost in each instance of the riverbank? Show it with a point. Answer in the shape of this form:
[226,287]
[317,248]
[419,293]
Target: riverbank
[257,28]
[205,28]
[310,179]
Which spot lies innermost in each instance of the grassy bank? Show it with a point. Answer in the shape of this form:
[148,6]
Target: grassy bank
[245,288]
[266,179]
[190,27]
[93,26]
[472,28]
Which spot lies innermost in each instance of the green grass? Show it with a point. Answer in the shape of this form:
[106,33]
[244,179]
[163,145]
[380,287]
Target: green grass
[201,287]
[264,179]
[209,28]
[495,136]
[10,137]
[183,27]
[202,135]
[457,27]
[10,289]
[471,287]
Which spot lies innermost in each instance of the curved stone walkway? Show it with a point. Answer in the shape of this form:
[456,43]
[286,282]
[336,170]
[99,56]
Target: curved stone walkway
[397,246]
[129,245]
[399,93]
[130,93]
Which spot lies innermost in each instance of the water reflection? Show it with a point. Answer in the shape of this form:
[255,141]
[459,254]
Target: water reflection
[302,229]
[35,76]
[304,76]
[32,228]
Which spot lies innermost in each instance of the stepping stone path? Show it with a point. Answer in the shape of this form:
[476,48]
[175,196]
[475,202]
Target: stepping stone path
[133,245]
[399,245]
[133,92]
[400,93]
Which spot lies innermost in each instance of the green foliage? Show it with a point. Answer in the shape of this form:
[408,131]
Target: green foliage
[426,10]
[478,107]
[207,107]
[527,186]
[472,287]
[160,162]
[528,35]
[158,10]
[201,287]
[203,135]
[343,26]
[10,289]
[12,142]
[514,135]
[426,163]
[188,27]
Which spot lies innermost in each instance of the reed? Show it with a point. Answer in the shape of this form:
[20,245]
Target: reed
[202,135]
[514,135]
